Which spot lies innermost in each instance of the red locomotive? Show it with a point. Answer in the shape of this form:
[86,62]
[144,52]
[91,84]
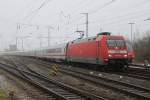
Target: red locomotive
[103,49]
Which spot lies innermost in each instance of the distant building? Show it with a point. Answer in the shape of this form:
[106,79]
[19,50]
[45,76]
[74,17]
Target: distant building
[12,48]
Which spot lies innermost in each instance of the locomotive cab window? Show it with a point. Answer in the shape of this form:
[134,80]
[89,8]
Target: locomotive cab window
[118,43]
[111,43]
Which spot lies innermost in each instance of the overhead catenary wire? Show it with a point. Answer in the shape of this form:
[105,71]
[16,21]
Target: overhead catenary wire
[101,7]
[75,11]
[118,19]
[135,6]
[30,13]
[81,5]
[34,12]
[94,11]
[28,6]
[144,2]
[124,21]
[110,23]
[125,15]
[108,3]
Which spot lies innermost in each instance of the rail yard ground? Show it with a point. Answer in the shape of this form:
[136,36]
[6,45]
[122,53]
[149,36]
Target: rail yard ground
[75,50]
[12,88]
[24,78]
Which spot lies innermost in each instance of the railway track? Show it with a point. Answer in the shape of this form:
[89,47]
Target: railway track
[141,66]
[67,92]
[17,73]
[127,88]
[140,71]
[51,88]
[138,75]
[132,72]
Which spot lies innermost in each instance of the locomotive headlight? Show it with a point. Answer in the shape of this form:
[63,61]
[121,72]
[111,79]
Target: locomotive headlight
[125,56]
[109,56]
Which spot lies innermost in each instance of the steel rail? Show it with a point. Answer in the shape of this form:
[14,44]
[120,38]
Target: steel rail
[80,92]
[127,88]
[18,75]
[137,75]
[50,88]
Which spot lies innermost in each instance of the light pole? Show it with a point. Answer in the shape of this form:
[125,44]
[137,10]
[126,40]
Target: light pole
[49,27]
[16,42]
[17,30]
[87,22]
[131,31]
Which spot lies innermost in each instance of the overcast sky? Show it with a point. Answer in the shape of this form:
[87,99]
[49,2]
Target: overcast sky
[64,17]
